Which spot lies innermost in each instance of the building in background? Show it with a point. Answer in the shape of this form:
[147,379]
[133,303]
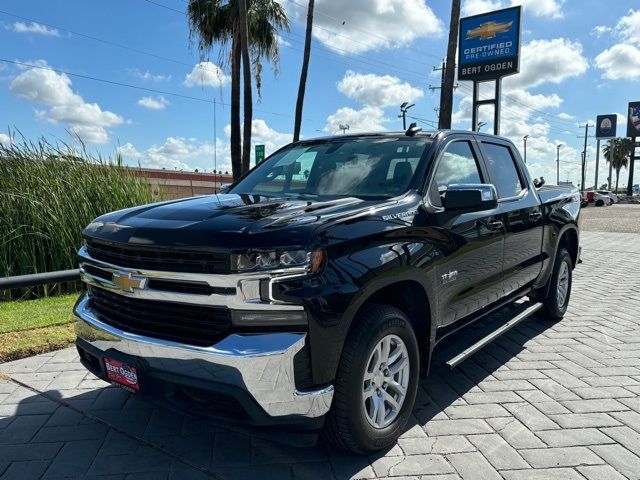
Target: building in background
[168,184]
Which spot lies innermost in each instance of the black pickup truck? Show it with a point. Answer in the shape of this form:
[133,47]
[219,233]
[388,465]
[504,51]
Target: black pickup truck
[312,293]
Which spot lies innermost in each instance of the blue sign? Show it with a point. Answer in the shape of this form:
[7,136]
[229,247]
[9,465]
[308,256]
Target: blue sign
[489,45]
[606,126]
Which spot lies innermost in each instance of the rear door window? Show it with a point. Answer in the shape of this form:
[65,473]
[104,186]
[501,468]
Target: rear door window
[503,170]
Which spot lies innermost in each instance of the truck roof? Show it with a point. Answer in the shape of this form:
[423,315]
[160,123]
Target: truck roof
[430,133]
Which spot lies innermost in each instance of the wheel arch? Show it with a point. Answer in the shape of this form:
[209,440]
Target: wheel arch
[410,296]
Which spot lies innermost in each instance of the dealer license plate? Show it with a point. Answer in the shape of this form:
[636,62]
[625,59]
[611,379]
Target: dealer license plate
[122,374]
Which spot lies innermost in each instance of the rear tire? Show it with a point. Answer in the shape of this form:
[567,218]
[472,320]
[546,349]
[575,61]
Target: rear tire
[555,304]
[372,403]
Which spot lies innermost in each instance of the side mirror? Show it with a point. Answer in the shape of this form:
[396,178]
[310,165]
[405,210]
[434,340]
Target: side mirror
[294,168]
[470,198]
[224,188]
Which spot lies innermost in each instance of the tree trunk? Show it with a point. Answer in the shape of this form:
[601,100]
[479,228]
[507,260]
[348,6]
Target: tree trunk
[303,72]
[246,80]
[617,179]
[235,145]
[446,93]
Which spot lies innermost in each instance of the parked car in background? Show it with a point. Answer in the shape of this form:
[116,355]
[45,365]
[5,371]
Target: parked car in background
[595,198]
[314,292]
[614,198]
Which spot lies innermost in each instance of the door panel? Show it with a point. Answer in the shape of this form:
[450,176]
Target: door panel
[520,213]
[470,273]
[523,242]
[470,268]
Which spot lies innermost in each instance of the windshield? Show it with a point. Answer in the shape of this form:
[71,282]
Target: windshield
[361,167]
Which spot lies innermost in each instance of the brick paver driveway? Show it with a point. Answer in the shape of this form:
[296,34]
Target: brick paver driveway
[557,401]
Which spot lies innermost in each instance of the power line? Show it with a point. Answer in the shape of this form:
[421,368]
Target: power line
[137,87]
[101,40]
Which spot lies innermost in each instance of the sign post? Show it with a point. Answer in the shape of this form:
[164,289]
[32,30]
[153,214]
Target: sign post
[605,129]
[489,49]
[259,154]
[633,131]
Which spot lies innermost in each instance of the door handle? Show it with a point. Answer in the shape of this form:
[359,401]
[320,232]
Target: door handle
[494,225]
[535,216]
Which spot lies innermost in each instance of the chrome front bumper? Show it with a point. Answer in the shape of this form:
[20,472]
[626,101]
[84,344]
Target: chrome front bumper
[260,364]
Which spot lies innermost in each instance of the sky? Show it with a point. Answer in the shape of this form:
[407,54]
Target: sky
[125,76]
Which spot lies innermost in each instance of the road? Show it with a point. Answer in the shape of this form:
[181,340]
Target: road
[616,218]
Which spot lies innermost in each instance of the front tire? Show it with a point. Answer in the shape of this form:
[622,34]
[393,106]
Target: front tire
[376,383]
[555,304]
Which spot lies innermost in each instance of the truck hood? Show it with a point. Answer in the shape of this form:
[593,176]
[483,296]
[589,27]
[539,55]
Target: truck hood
[228,221]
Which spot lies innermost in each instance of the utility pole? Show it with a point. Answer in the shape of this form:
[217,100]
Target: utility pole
[557,163]
[446,94]
[441,69]
[584,154]
[403,113]
[525,147]
[344,127]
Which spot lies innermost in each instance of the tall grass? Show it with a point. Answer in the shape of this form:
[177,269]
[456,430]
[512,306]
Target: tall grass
[48,194]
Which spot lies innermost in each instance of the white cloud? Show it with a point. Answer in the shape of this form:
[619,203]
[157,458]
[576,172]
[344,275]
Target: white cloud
[86,120]
[361,25]
[282,41]
[5,139]
[376,90]
[183,153]
[147,75]
[367,119]
[628,27]
[128,150]
[158,103]
[206,74]
[620,61]
[548,61]
[599,30]
[541,8]
[566,116]
[538,8]
[474,7]
[33,27]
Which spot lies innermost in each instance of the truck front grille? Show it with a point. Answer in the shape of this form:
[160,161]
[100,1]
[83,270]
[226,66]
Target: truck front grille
[146,258]
[177,322]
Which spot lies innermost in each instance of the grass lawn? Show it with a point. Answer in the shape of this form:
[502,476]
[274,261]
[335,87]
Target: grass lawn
[28,327]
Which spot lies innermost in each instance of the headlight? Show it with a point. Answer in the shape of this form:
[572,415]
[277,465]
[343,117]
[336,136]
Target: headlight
[272,260]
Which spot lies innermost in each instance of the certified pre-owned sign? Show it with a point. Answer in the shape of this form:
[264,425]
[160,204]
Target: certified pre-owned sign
[489,45]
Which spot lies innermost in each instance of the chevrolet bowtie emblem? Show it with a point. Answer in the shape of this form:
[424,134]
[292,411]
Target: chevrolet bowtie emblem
[488,30]
[128,282]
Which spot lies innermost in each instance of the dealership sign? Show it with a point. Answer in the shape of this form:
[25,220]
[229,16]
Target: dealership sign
[489,45]
[633,120]
[606,126]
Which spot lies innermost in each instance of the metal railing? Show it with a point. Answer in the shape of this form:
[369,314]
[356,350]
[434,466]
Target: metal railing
[37,279]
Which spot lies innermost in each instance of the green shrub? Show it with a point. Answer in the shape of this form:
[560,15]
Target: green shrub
[48,194]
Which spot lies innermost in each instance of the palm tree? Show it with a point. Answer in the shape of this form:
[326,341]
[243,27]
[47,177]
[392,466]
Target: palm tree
[246,80]
[303,72]
[217,22]
[622,150]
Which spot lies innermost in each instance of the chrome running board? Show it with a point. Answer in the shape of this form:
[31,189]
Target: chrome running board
[483,342]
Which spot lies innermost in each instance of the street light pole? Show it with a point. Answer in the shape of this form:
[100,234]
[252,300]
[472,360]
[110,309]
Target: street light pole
[403,113]
[557,164]
[525,147]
